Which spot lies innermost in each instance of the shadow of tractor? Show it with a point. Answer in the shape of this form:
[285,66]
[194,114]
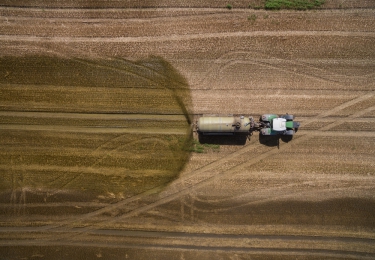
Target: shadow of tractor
[274,140]
[268,140]
[223,140]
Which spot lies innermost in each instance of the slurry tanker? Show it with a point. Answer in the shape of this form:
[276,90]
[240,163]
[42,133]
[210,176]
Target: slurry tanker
[268,124]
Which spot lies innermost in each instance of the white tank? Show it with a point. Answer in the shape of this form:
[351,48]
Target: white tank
[223,125]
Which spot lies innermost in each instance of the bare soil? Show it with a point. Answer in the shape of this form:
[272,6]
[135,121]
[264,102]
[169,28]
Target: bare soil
[97,104]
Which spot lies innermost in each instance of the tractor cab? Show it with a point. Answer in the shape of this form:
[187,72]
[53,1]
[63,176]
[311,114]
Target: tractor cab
[279,124]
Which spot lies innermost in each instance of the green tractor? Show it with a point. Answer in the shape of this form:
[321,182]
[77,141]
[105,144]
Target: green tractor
[271,124]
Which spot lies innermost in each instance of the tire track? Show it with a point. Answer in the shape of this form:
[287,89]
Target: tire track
[344,119]
[110,15]
[283,193]
[301,181]
[354,115]
[320,74]
[166,117]
[148,39]
[101,116]
[211,73]
[96,130]
[334,133]
[75,169]
[87,11]
[264,63]
[302,245]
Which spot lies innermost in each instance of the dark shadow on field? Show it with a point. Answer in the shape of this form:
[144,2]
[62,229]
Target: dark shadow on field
[113,164]
[333,211]
[223,139]
[274,140]
[286,138]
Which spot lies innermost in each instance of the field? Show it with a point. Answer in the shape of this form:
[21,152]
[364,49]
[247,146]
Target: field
[98,101]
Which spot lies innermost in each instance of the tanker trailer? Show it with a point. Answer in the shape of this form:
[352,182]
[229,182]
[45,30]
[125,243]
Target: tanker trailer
[224,125]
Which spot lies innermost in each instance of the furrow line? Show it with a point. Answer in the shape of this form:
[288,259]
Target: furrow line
[295,251]
[185,37]
[97,130]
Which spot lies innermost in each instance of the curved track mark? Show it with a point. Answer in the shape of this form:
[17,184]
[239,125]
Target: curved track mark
[283,193]
[323,75]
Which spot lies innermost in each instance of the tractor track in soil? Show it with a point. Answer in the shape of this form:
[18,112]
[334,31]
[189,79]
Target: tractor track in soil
[281,193]
[99,130]
[306,68]
[141,39]
[177,241]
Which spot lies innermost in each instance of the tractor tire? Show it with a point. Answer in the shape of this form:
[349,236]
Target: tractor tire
[288,117]
[289,132]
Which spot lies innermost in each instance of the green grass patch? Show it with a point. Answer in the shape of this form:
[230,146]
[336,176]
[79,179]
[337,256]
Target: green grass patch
[293,4]
[252,18]
[197,147]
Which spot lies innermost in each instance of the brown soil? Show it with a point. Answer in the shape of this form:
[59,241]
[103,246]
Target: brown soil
[96,103]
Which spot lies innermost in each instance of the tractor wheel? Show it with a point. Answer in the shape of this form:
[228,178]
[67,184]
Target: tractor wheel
[289,132]
[288,117]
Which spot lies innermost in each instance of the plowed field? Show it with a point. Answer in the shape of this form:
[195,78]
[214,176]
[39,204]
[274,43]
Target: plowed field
[97,105]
